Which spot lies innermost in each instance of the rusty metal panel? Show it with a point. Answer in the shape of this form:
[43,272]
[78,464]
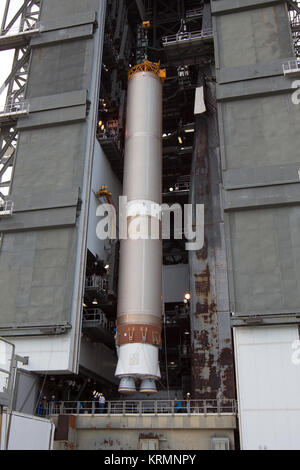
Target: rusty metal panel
[212,357]
[65,422]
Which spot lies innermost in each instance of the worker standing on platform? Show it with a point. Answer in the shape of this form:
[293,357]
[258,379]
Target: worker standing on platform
[188,403]
[101,402]
[220,398]
[178,406]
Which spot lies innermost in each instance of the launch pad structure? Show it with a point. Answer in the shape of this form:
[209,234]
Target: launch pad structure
[220,322]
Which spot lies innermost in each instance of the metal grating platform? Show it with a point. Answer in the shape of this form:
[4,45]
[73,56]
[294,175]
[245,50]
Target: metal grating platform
[14,38]
[113,154]
[181,47]
[10,112]
[291,68]
[6,208]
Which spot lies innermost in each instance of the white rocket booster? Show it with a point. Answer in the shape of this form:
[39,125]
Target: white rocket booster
[140,272]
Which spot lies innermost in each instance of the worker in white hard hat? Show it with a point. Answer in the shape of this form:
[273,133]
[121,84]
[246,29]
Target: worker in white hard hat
[188,403]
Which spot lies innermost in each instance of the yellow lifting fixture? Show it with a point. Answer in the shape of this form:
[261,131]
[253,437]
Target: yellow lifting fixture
[148,66]
[107,195]
[146,25]
[103,191]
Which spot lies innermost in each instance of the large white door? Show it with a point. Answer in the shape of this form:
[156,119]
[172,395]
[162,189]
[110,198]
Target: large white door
[268,381]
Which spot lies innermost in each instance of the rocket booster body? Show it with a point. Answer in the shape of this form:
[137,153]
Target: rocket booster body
[140,272]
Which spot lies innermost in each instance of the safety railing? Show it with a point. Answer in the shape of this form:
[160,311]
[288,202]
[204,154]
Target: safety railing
[14,108]
[183,183]
[196,12]
[187,36]
[93,315]
[15,30]
[140,407]
[177,313]
[184,350]
[6,208]
[291,66]
[108,134]
[96,282]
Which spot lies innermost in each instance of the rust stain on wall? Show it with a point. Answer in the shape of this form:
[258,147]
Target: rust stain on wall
[212,359]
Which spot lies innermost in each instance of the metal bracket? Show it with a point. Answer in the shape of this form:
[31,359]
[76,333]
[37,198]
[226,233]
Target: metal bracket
[24,360]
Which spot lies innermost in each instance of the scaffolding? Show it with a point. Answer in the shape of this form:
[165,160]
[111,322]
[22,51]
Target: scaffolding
[294,14]
[15,34]
[6,208]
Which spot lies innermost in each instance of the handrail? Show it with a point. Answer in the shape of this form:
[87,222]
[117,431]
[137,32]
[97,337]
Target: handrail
[187,36]
[15,30]
[15,107]
[6,207]
[180,311]
[291,65]
[140,407]
[95,281]
[96,315]
[194,12]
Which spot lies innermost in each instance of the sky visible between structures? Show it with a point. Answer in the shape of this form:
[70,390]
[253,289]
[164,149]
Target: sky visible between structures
[6,57]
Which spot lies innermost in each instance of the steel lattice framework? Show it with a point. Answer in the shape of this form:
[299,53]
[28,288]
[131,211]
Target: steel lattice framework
[294,14]
[15,33]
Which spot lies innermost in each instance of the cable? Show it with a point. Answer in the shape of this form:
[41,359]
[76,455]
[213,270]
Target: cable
[166,354]
[46,374]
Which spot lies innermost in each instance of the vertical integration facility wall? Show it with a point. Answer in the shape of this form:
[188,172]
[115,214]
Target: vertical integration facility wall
[268,370]
[259,134]
[212,358]
[26,432]
[42,258]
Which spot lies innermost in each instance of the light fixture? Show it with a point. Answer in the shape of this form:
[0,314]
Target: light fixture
[95,302]
[84,304]
[100,123]
[187,296]
[102,127]
[171,189]
[186,332]
[106,266]
[189,130]
[180,140]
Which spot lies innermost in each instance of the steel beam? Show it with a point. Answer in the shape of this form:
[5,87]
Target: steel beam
[141,8]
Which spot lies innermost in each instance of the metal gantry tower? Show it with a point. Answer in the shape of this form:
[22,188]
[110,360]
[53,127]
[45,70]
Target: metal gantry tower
[15,34]
[294,14]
